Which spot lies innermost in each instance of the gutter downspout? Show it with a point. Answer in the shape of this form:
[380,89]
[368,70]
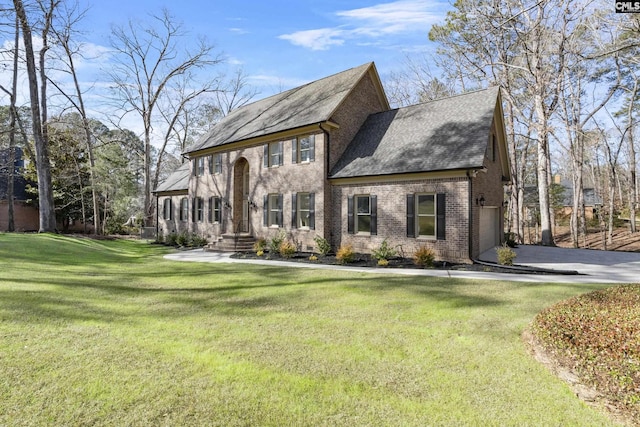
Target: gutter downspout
[328,194]
[157,214]
[469,176]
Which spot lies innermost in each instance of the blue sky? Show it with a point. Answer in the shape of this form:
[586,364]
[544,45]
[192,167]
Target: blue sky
[282,44]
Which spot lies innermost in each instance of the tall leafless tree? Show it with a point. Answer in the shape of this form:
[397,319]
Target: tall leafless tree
[149,58]
[43,166]
[71,50]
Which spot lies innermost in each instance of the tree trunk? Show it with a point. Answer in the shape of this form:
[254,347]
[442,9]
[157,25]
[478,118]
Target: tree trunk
[633,191]
[12,131]
[543,172]
[43,166]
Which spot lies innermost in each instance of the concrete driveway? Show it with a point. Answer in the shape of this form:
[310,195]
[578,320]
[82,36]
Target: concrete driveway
[594,266]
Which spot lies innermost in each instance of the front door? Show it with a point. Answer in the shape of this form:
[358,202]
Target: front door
[245,199]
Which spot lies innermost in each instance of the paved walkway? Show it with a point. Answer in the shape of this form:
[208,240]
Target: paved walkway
[594,266]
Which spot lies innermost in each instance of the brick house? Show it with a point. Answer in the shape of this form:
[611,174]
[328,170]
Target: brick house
[331,159]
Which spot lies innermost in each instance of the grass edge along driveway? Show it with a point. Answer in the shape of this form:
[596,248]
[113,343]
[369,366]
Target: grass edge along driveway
[109,333]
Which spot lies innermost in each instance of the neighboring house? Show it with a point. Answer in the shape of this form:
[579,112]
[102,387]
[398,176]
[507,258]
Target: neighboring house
[25,216]
[331,159]
[589,196]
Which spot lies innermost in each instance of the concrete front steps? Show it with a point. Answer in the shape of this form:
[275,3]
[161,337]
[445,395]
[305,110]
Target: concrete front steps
[240,242]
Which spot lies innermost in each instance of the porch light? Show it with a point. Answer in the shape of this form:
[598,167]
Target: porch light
[480,201]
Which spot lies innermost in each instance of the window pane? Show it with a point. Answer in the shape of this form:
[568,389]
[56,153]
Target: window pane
[305,148]
[303,201]
[427,225]
[274,209]
[426,205]
[303,210]
[363,205]
[275,154]
[364,223]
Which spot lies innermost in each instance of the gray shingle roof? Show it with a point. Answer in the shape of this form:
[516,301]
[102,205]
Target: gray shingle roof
[446,134]
[178,180]
[304,105]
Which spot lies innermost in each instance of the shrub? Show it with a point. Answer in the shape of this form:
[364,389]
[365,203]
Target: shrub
[183,239]
[171,239]
[287,249]
[424,257]
[260,245]
[506,255]
[345,254]
[313,258]
[276,241]
[198,241]
[510,239]
[260,252]
[384,251]
[382,262]
[323,245]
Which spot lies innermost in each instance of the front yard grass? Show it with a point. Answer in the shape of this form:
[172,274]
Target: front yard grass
[109,333]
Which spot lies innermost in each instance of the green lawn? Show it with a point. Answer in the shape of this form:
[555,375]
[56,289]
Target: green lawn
[110,333]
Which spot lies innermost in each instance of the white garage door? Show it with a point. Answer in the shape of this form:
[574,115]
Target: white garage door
[489,233]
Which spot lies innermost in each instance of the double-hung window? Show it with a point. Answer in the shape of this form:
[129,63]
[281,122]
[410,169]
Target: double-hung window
[273,210]
[426,215]
[303,149]
[303,210]
[215,164]
[198,166]
[362,214]
[215,209]
[198,209]
[168,209]
[184,209]
[273,154]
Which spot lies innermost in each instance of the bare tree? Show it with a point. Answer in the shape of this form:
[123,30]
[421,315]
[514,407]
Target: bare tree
[43,166]
[70,51]
[149,58]
[416,82]
[234,92]
[13,121]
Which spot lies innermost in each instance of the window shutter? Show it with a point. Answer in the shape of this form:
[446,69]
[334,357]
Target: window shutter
[265,162]
[440,216]
[193,210]
[350,214]
[411,215]
[265,210]
[294,150]
[280,153]
[374,215]
[280,205]
[312,211]
[194,164]
[312,148]
[294,210]
[211,202]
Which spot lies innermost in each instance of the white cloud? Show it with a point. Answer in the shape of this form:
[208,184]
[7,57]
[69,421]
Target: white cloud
[239,31]
[320,39]
[403,16]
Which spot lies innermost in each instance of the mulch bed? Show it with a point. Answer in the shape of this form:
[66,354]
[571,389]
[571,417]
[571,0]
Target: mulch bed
[366,260]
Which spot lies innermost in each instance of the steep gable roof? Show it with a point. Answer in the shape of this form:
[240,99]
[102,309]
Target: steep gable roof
[446,134]
[177,181]
[309,104]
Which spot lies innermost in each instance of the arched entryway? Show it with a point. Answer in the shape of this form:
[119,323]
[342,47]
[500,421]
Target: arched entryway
[241,186]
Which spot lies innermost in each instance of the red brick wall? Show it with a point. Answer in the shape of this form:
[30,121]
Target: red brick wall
[25,218]
[391,198]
